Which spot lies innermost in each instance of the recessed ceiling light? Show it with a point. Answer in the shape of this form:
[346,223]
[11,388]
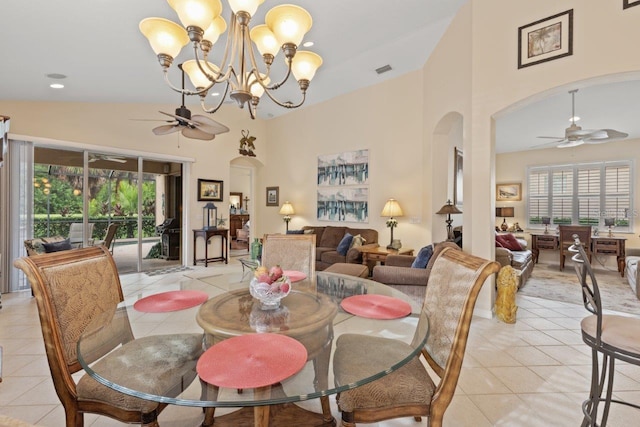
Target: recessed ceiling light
[56,85]
[215,93]
[574,119]
[56,76]
[307,44]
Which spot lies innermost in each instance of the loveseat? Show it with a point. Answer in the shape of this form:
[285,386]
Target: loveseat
[398,272]
[329,237]
[513,251]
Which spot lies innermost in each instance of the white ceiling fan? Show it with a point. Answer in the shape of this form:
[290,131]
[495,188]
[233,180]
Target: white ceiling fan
[574,135]
[97,157]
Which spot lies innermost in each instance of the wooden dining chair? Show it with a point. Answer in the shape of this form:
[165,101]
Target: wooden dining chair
[454,284]
[610,336]
[291,252]
[72,288]
[566,240]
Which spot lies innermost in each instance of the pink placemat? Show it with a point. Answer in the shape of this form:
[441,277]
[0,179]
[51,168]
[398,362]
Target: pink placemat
[170,301]
[294,276]
[250,361]
[376,306]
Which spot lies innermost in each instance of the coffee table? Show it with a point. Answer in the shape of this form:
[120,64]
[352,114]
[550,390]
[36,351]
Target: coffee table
[311,314]
[380,254]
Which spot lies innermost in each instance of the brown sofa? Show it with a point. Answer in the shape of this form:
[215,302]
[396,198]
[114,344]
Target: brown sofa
[328,238]
[398,273]
[522,261]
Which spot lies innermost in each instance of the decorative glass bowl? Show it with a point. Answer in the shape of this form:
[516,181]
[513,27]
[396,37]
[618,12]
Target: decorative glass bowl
[270,295]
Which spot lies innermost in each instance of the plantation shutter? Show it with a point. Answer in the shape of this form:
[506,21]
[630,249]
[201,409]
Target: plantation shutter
[589,196]
[562,196]
[617,193]
[538,196]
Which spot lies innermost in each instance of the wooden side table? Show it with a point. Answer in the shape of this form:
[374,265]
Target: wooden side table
[380,254]
[206,234]
[612,246]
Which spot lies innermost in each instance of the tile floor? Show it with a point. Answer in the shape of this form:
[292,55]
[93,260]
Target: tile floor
[531,373]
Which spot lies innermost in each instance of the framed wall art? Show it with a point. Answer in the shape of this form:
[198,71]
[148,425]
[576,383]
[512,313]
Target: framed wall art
[273,196]
[626,4]
[341,204]
[545,40]
[508,192]
[347,168]
[209,190]
[457,177]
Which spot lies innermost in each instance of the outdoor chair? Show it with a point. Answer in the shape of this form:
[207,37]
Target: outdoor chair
[75,234]
[290,252]
[611,336]
[110,238]
[71,289]
[454,284]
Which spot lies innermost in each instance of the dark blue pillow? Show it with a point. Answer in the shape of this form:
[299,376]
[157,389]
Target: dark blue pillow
[63,245]
[345,243]
[295,231]
[423,257]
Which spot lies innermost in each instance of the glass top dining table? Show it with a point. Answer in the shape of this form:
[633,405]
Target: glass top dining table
[311,314]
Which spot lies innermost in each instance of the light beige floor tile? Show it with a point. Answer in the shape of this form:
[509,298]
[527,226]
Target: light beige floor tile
[538,338]
[480,381]
[523,380]
[503,409]
[569,379]
[531,356]
[565,336]
[566,354]
[553,409]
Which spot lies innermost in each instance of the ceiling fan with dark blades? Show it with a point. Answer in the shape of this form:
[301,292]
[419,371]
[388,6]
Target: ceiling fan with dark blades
[194,127]
[574,135]
[97,157]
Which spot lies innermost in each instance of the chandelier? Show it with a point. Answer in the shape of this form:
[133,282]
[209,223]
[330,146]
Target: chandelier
[238,71]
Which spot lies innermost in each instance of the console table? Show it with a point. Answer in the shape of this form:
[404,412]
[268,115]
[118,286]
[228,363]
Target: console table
[600,245]
[206,234]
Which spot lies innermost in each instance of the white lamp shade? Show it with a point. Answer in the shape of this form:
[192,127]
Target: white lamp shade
[217,27]
[289,23]
[305,64]
[198,79]
[265,40]
[287,209]
[164,36]
[197,13]
[392,209]
[249,6]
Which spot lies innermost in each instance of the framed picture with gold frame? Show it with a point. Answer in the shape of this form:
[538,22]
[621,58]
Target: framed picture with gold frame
[273,196]
[508,192]
[209,190]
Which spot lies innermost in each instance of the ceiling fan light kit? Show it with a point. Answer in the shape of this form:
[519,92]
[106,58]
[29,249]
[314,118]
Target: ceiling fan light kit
[574,135]
[202,24]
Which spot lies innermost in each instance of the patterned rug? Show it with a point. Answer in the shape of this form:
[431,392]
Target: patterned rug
[167,270]
[548,282]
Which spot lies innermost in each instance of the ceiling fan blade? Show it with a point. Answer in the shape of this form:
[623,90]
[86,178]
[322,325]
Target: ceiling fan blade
[114,159]
[570,144]
[178,118]
[559,138]
[165,129]
[196,133]
[151,120]
[209,125]
[551,143]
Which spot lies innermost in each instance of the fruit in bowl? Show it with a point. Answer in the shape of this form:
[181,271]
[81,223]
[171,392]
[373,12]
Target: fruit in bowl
[269,286]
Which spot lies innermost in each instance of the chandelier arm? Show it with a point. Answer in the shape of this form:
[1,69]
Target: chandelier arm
[261,79]
[183,91]
[284,80]
[217,107]
[215,76]
[287,104]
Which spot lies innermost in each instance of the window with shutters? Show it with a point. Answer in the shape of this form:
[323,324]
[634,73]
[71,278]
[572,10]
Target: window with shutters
[581,194]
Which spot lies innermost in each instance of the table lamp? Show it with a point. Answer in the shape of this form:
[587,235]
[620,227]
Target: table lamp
[287,211]
[505,213]
[546,221]
[448,210]
[610,222]
[392,209]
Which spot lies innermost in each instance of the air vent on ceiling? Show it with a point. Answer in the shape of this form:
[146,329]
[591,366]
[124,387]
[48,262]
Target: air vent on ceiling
[383,69]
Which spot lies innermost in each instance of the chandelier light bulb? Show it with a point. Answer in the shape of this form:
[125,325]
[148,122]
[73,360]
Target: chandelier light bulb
[289,23]
[165,37]
[255,87]
[217,27]
[249,6]
[265,40]
[198,79]
[196,13]
[305,64]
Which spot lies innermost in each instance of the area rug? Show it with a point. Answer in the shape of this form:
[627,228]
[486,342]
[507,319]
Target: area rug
[548,282]
[175,269]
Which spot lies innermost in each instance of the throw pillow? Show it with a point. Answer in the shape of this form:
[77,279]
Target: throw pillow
[509,241]
[357,241]
[308,231]
[498,244]
[423,257]
[295,231]
[64,245]
[345,243]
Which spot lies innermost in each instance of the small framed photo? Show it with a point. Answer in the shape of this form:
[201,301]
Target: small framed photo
[273,196]
[508,192]
[209,190]
[626,4]
[545,40]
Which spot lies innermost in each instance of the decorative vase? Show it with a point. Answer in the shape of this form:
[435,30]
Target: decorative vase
[504,226]
[256,249]
[270,294]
